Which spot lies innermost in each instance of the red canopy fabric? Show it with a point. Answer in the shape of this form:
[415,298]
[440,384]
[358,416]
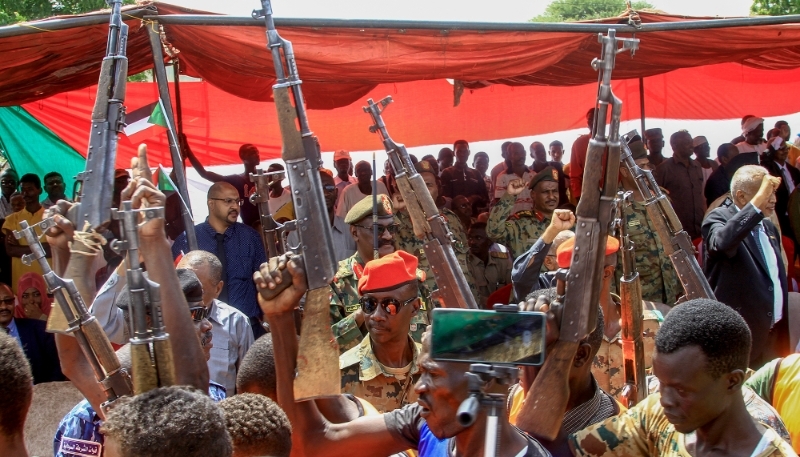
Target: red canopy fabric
[217,123]
[340,65]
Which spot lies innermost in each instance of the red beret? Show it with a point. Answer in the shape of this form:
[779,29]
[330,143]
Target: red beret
[564,251]
[388,272]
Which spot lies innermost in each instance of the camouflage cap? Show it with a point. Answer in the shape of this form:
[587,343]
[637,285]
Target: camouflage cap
[637,148]
[548,174]
[363,209]
[423,166]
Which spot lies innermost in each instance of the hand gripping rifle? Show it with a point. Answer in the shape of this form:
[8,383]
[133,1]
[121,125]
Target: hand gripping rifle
[93,185]
[594,216]
[630,292]
[272,230]
[151,352]
[318,353]
[677,244]
[87,330]
[429,225]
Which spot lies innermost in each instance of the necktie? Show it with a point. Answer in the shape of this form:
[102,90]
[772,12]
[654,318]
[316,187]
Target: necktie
[223,259]
[756,237]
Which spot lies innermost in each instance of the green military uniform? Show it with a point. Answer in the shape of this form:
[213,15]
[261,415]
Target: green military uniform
[385,388]
[607,364]
[517,232]
[406,240]
[344,296]
[656,273]
[490,276]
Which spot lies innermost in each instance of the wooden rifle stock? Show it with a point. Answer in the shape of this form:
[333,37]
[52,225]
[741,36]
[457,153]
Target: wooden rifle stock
[151,355]
[93,342]
[318,372]
[545,412]
[429,225]
[630,292]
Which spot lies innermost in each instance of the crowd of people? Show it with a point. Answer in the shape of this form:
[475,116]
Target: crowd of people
[724,379]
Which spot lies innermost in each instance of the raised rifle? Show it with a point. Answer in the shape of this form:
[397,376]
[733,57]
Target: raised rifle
[272,230]
[318,353]
[93,185]
[677,243]
[151,352]
[429,225]
[578,313]
[630,294]
[88,332]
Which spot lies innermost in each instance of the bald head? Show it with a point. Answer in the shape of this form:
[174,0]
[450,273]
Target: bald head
[218,189]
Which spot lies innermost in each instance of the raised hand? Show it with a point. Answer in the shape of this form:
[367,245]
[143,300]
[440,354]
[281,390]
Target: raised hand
[273,273]
[516,186]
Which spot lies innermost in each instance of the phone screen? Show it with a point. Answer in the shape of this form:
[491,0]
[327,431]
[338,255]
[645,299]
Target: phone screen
[482,336]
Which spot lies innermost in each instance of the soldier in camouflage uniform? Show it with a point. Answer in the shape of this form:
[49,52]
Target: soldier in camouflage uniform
[491,270]
[346,317]
[656,273]
[519,231]
[406,240]
[383,368]
[703,351]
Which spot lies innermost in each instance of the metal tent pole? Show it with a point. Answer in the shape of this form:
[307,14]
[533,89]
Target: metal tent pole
[160,73]
[641,104]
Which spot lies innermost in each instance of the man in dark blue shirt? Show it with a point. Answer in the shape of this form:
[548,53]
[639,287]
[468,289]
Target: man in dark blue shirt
[237,246]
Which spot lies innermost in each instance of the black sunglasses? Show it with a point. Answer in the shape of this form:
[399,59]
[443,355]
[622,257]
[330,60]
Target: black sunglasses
[392,228]
[391,306]
[198,313]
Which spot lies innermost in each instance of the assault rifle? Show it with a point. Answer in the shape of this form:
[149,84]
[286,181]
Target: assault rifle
[630,293]
[677,243]
[87,330]
[93,185]
[429,225]
[578,315]
[272,230]
[318,354]
[151,352]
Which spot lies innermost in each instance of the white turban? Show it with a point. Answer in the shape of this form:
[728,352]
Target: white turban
[750,124]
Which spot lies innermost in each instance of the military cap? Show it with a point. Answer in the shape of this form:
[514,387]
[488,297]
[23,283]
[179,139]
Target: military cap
[637,148]
[388,272]
[423,166]
[548,174]
[651,133]
[363,209]
[564,252]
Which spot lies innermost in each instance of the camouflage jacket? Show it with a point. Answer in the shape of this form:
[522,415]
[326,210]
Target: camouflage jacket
[490,276]
[517,232]
[385,388]
[645,431]
[656,273]
[406,240]
[607,364]
[344,302]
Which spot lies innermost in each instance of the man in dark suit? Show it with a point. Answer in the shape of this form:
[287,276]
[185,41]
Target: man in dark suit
[38,345]
[774,160]
[743,261]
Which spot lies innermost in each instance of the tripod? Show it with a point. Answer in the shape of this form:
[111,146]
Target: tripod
[478,376]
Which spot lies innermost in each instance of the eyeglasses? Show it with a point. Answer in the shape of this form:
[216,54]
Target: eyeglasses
[229,201]
[391,228]
[198,313]
[328,188]
[7,301]
[391,306]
